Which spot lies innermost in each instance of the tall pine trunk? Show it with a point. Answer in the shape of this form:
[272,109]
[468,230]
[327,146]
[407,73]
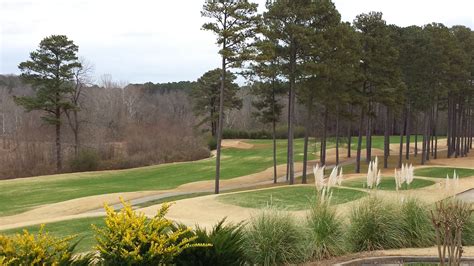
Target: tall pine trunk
[359,140]
[275,176]
[220,127]
[423,148]
[407,132]
[75,131]
[416,136]
[305,149]
[368,139]
[292,114]
[324,138]
[59,162]
[386,142]
[349,136]
[435,132]
[402,127]
[288,136]
[305,156]
[337,137]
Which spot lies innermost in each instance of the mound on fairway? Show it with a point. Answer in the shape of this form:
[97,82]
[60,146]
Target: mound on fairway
[80,227]
[441,172]
[288,198]
[388,183]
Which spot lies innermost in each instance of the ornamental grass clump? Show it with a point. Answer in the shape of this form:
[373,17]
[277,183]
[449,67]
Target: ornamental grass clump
[326,232]
[416,224]
[130,238]
[36,249]
[374,176]
[226,248]
[319,181]
[452,183]
[274,238]
[374,225]
[405,175]
[323,186]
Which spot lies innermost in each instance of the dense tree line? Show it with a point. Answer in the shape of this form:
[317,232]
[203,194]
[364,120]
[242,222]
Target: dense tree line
[361,78]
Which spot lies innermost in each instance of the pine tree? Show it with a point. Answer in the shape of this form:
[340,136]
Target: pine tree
[50,71]
[293,25]
[380,72]
[205,96]
[269,87]
[233,22]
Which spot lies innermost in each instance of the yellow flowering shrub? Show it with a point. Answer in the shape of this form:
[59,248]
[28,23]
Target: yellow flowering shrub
[130,238]
[39,249]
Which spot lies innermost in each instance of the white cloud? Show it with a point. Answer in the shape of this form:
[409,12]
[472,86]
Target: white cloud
[160,41]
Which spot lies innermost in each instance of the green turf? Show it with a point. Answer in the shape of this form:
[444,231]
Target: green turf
[378,141]
[21,194]
[388,183]
[289,198]
[80,227]
[441,172]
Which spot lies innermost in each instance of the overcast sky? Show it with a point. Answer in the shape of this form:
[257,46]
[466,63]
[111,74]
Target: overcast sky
[161,41]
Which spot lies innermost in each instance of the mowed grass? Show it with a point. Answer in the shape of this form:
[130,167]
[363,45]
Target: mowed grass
[80,227]
[292,198]
[22,194]
[378,141]
[441,172]
[388,183]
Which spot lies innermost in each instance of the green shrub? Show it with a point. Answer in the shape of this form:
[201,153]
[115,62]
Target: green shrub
[86,160]
[374,225]
[280,133]
[212,143]
[129,238]
[235,134]
[274,238]
[326,232]
[416,224]
[226,249]
[39,249]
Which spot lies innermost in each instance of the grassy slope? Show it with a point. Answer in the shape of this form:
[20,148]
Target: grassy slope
[290,198]
[388,183]
[22,194]
[80,227]
[441,172]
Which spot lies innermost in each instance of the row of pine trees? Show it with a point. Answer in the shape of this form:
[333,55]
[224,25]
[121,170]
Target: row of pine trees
[348,75]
